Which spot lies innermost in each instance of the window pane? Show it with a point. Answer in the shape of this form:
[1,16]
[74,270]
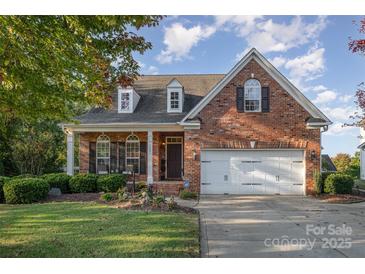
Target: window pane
[124,101]
[133,164]
[174,100]
[252,105]
[103,166]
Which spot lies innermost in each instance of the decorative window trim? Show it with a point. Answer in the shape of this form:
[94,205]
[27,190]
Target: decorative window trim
[249,85]
[102,142]
[179,100]
[133,140]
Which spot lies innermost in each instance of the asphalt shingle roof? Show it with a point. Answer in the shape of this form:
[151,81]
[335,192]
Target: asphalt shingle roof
[152,106]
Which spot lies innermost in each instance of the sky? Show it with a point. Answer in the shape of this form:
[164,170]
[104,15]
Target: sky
[311,51]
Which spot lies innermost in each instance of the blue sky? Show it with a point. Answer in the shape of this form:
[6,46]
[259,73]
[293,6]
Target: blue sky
[311,51]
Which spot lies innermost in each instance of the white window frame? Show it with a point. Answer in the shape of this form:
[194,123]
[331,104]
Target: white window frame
[179,91]
[252,84]
[128,91]
[102,139]
[133,139]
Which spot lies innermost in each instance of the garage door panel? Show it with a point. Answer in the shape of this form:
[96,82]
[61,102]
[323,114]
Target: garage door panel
[253,172]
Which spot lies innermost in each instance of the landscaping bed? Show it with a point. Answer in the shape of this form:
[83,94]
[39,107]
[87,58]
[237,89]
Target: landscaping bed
[341,198]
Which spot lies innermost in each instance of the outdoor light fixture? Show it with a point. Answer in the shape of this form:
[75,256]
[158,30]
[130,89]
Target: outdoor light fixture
[313,154]
[194,154]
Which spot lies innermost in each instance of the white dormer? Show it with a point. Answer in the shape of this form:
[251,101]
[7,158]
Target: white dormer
[175,96]
[128,100]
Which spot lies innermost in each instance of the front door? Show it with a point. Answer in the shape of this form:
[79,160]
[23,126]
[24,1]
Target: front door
[174,157]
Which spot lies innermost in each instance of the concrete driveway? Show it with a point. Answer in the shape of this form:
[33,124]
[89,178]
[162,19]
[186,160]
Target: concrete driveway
[280,226]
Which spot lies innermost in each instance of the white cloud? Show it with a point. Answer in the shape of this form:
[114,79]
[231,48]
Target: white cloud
[278,61]
[306,67]
[152,70]
[180,40]
[240,24]
[346,98]
[342,113]
[325,97]
[319,88]
[338,129]
[280,37]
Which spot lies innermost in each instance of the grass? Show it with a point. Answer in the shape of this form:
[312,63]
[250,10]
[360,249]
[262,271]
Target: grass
[360,184]
[93,230]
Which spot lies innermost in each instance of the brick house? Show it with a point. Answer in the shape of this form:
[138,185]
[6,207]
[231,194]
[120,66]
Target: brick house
[249,131]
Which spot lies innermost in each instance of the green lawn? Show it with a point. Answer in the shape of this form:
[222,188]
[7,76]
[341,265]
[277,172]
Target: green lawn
[93,230]
[360,184]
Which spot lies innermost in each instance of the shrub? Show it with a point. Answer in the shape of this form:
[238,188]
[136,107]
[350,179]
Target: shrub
[111,183]
[59,180]
[325,174]
[106,197]
[141,186]
[2,182]
[338,184]
[185,194]
[81,183]
[318,182]
[22,176]
[25,191]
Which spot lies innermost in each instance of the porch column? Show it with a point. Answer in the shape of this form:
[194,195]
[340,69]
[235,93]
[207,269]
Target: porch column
[149,157]
[70,153]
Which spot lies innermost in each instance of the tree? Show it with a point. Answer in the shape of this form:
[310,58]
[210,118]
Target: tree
[342,162]
[354,169]
[358,46]
[50,65]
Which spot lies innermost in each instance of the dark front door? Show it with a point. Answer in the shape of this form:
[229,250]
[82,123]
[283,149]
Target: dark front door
[173,161]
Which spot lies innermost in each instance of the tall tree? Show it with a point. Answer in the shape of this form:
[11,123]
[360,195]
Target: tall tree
[358,46]
[342,162]
[51,64]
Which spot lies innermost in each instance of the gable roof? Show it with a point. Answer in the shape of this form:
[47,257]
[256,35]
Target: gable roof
[327,163]
[253,54]
[152,106]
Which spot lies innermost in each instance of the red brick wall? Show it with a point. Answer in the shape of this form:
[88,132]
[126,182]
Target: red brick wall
[222,126]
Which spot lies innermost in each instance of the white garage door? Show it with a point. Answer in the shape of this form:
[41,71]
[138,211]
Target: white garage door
[252,172]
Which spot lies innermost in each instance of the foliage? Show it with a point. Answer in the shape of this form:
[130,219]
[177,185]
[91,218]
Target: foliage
[325,174]
[172,203]
[186,194]
[59,180]
[25,191]
[106,197]
[82,183]
[318,182]
[111,182]
[354,168]
[342,162]
[338,184]
[122,194]
[358,46]
[38,148]
[158,200]
[51,65]
[141,186]
[89,229]
[2,182]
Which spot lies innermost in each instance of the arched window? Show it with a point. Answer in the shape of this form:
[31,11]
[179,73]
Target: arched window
[252,96]
[132,153]
[103,154]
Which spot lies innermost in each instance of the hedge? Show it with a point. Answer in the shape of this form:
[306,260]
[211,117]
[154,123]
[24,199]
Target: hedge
[338,184]
[25,191]
[81,183]
[3,179]
[111,182]
[59,180]
[325,174]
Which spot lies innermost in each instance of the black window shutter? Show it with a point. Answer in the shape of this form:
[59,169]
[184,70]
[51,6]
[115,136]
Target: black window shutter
[121,157]
[265,99]
[113,157]
[240,99]
[92,157]
[143,156]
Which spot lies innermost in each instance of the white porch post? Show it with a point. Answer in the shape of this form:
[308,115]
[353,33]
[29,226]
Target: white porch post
[149,157]
[70,153]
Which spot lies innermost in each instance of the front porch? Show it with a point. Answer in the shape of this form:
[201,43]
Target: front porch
[156,157]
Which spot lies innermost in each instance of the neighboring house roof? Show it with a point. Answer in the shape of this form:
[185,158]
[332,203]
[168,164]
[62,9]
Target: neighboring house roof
[253,54]
[361,146]
[152,106]
[327,163]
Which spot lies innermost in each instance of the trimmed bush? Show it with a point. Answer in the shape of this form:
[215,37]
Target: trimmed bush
[111,182]
[325,174]
[338,184]
[59,180]
[141,186]
[185,194]
[3,179]
[107,197]
[23,176]
[25,191]
[82,183]
[318,182]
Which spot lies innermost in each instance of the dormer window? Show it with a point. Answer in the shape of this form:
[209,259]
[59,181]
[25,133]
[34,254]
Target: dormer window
[175,96]
[127,100]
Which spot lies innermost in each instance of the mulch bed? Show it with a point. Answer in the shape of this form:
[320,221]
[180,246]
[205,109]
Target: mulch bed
[341,198]
[133,204]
